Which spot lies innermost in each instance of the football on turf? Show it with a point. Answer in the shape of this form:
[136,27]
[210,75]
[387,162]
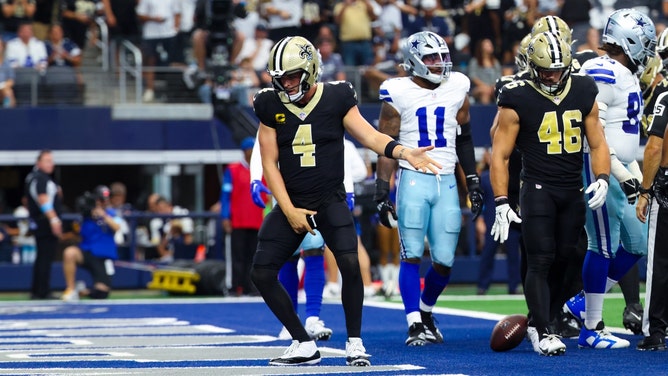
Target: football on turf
[508,333]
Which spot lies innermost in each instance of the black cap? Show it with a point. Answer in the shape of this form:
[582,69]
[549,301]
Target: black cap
[102,192]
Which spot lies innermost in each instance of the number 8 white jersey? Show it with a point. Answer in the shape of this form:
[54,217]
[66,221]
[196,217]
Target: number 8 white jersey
[620,104]
[428,117]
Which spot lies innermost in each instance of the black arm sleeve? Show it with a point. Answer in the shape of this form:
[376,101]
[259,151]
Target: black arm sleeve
[465,150]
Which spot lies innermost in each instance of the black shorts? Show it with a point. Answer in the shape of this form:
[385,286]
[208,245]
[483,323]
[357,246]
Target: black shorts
[95,266]
[151,48]
[552,219]
[277,241]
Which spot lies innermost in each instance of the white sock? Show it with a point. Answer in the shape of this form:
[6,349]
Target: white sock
[609,284]
[593,309]
[413,317]
[424,307]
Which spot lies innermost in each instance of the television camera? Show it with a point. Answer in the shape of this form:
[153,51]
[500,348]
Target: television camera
[220,17]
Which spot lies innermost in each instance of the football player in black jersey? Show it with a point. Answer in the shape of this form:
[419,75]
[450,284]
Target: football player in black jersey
[546,118]
[302,125]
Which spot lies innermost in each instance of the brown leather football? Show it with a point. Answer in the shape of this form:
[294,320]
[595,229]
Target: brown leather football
[508,333]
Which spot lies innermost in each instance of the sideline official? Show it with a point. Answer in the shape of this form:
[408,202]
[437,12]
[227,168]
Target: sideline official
[45,207]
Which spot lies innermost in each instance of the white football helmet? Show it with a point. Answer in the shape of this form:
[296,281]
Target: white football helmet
[634,32]
[547,52]
[425,43]
[290,55]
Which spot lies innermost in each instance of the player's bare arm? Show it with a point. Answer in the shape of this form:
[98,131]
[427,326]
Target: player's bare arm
[296,216]
[600,153]
[388,123]
[495,125]
[463,114]
[365,133]
[650,165]
[502,146]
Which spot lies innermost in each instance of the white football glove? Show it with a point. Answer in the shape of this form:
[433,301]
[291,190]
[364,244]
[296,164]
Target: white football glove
[504,215]
[600,190]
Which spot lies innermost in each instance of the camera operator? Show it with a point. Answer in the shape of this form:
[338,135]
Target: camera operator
[213,27]
[97,248]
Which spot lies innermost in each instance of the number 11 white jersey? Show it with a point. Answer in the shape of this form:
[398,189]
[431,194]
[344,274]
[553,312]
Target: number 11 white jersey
[428,117]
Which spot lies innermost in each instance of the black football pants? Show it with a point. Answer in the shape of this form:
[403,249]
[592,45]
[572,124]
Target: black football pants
[552,221]
[656,293]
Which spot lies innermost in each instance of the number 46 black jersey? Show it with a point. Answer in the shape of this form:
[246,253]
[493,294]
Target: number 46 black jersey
[310,140]
[551,129]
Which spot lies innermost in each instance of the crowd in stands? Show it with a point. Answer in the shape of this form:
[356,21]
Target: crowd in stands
[43,39]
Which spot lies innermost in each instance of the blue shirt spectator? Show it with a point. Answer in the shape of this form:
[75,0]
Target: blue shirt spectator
[97,237]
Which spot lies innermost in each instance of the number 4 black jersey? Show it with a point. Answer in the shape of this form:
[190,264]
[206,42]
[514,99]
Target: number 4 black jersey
[310,140]
[551,129]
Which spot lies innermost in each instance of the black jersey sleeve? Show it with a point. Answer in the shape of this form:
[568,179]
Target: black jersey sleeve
[345,93]
[658,125]
[498,85]
[510,94]
[587,91]
[262,104]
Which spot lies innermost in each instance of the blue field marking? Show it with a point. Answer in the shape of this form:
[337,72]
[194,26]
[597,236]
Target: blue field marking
[237,337]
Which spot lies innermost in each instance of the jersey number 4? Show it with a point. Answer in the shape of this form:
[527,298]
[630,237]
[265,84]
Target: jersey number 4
[423,127]
[302,145]
[562,137]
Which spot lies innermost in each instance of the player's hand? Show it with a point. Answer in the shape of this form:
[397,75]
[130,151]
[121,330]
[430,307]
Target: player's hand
[419,159]
[631,189]
[599,188]
[383,204]
[504,216]
[350,200]
[256,192]
[475,195]
[642,207]
[297,217]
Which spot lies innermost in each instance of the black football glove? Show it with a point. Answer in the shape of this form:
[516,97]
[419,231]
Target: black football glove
[631,189]
[475,195]
[383,203]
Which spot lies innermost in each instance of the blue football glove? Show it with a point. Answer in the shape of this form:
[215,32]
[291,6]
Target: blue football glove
[350,200]
[256,192]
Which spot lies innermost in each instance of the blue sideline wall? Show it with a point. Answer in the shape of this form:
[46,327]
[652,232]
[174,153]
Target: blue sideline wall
[94,128]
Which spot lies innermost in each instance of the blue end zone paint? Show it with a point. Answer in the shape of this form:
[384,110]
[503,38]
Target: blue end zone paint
[465,351]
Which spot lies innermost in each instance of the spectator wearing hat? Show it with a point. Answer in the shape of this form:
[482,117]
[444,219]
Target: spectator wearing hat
[241,219]
[97,248]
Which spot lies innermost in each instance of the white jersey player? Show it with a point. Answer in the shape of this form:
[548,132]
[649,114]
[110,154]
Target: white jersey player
[428,108]
[428,116]
[629,39]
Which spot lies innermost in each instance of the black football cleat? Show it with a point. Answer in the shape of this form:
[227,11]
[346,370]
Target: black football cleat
[431,332]
[652,343]
[416,336]
[632,318]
